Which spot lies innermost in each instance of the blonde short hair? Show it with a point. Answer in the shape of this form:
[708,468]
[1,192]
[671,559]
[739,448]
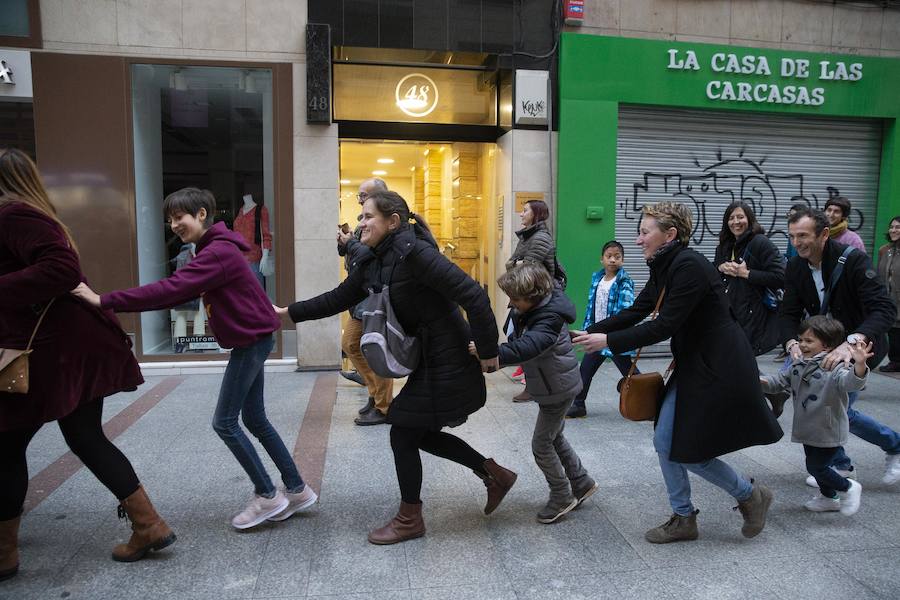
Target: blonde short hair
[528,280]
[672,214]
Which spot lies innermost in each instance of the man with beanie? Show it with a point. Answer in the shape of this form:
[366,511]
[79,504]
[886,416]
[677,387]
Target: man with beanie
[837,209]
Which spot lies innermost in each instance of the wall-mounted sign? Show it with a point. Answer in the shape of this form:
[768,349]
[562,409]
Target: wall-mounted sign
[532,89]
[6,74]
[15,75]
[318,73]
[523,197]
[794,80]
[426,95]
[416,95]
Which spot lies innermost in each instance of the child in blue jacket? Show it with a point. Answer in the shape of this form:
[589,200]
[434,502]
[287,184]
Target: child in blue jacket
[612,291]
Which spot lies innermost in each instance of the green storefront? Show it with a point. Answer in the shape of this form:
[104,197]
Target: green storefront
[645,120]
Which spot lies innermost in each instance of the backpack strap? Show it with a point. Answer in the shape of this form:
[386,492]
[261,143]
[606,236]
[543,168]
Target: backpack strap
[40,320]
[835,276]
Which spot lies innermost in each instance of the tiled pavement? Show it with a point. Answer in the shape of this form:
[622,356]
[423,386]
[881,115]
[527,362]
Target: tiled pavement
[596,552]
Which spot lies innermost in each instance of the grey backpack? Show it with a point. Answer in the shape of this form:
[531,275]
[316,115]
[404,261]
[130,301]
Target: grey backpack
[389,350]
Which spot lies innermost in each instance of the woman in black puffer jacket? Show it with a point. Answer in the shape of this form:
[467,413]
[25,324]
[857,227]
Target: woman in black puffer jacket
[426,293]
[750,265]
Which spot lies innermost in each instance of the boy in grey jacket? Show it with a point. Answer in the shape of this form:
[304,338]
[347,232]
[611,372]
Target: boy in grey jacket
[820,409]
[540,343]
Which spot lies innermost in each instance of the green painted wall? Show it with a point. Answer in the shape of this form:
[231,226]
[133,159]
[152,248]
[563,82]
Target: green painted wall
[598,73]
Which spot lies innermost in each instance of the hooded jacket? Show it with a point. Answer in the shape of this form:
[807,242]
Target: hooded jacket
[238,309]
[820,400]
[541,344]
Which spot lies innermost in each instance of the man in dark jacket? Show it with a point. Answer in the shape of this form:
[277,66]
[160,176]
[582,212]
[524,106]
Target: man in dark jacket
[381,389]
[858,299]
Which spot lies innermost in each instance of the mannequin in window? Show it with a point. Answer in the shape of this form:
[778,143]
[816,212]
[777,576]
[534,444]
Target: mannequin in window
[192,310]
[252,222]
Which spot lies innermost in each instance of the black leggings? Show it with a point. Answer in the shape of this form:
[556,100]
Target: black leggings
[83,432]
[406,443]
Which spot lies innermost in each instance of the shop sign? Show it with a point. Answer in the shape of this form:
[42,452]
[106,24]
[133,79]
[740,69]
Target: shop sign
[389,93]
[416,95]
[15,74]
[696,75]
[6,74]
[796,82]
[531,97]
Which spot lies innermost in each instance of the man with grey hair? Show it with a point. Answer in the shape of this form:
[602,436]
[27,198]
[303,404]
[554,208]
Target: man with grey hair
[381,389]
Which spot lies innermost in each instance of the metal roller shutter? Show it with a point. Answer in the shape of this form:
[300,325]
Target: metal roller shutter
[708,159]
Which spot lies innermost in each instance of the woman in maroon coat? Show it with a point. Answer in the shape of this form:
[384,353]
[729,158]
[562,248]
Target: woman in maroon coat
[80,354]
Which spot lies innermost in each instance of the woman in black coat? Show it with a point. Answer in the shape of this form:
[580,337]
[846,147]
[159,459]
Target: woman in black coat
[750,265]
[712,404]
[426,292]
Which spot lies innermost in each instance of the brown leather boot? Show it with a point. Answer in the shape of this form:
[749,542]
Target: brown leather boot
[9,548]
[498,482]
[407,525]
[149,531]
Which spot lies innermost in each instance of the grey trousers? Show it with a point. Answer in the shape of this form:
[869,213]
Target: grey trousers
[552,452]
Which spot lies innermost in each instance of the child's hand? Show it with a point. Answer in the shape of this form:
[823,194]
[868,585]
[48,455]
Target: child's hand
[86,294]
[860,352]
[472,350]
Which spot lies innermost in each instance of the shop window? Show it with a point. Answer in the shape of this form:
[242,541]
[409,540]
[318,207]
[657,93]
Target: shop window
[211,128]
[20,23]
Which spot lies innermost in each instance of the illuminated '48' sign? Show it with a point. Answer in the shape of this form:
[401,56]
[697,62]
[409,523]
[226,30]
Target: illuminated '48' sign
[416,95]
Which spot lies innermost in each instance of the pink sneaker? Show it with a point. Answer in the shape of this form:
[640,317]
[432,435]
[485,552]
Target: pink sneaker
[259,510]
[296,503]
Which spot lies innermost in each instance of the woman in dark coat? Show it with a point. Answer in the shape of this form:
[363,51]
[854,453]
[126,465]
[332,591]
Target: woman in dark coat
[426,292]
[712,404]
[80,355]
[535,245]
[750,265]
[535,242]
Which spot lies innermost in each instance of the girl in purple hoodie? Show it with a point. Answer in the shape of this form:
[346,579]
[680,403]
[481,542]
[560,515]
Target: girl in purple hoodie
[241,317]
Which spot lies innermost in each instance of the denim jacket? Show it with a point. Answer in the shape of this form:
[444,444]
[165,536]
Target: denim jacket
[621,296]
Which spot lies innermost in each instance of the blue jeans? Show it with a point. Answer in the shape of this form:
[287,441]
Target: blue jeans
[867,428]
[242,394]
[254,266]
[675,474]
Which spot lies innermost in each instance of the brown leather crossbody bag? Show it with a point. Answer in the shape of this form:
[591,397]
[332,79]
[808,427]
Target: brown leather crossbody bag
[640,394]
[14,363]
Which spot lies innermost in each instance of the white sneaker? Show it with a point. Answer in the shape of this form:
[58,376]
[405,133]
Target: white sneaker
[891,469]
[850,501]
[259,510]
[820,503]
[811,481]
[296,503]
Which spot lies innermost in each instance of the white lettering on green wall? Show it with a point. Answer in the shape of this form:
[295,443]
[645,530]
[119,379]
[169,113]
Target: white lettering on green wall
[758,66]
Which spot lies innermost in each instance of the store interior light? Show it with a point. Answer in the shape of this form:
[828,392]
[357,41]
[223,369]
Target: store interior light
[345,182]
[249,83]
[379,173]
[178,81]
[412,103]
[385,161]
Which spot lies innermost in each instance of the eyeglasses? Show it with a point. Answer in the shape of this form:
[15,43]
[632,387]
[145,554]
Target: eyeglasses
[362,196]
